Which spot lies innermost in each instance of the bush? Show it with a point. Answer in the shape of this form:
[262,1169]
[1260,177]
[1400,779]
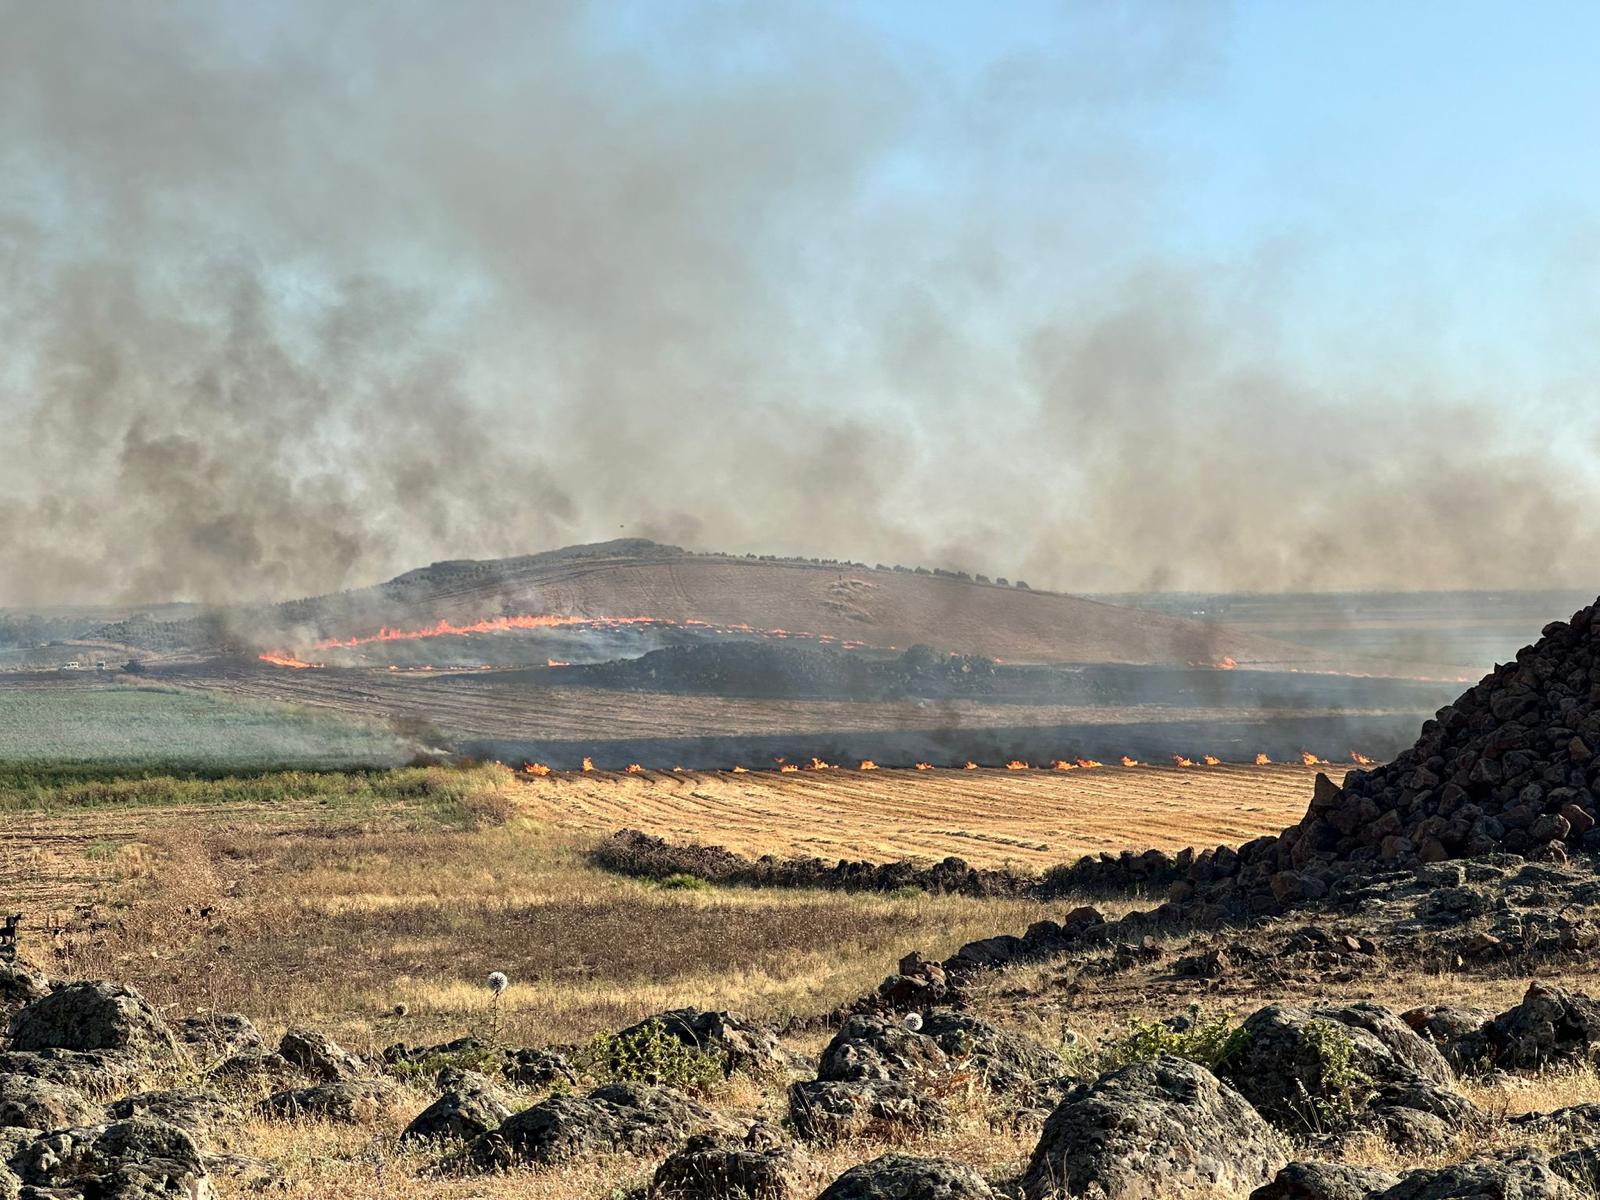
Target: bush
[681,881]
[652,1055]
[1346,1089]
[486,1060]
[1209,1043]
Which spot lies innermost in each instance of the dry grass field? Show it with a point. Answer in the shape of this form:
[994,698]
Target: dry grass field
[1029,819]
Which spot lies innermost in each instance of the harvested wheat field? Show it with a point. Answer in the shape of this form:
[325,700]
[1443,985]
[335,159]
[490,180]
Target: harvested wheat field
[1034,818]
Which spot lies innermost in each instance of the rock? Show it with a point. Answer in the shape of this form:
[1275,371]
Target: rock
[868,1046]
[710,1168]
[1006,1062]
[1522,1175]
[94,1016]
[1457,1033]
[124,1160]
[538,1069]
[1324,1181]
[1166,1128]
[634,1118]
[83,1070]
[319,1055]
[29,1103]
[1548,1027]
[20,986]
[10,1184]
[266,1071]
[741,1044]
[214,1036]
[201,1112]
[350,1101]
[903,1177]
[831,1110]
[470,1105]
[1289,1068]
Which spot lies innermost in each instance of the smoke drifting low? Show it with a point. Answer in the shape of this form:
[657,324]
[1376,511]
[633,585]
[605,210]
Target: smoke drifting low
[298,298]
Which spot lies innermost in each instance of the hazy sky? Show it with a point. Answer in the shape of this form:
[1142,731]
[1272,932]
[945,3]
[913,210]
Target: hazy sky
[297,296]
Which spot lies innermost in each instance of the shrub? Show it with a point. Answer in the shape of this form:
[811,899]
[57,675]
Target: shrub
[1346,1089]
[1209,1043]
[681,881]
[650,1054]
[483,1059]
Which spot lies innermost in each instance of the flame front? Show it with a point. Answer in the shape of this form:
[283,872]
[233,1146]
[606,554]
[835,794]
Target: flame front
[1262,760]
[1062,764]
[924,766]
[738,770]
[1211,760]
[636,769]
[588,763]
[971,766]
[1089,764]
[868,765]
[1181,761]
[279,659]
[1129,762]
[1310,759]
[535,769]
[788,768]
[1361,760]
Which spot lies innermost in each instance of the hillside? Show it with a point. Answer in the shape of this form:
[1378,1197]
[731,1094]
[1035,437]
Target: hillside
[877,607]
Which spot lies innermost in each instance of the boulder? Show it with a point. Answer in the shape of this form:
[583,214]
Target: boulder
[350,1101]
[741,1044]
[538,1069]
[635,1118]
[20,986]
[1005,1061]
[200,1111]
[214,1036]
[1325,1181]
[94,1016]
[29,1103]
[872,1047]
[124,1160]
[830,1110]
[1331,1069]
[1457,1033]
[266,1071]
[84,1070]
[903,1177]
[1548,1027]
[469,1105]
[1167,1128]
[712,1168]
[319,1055]
[1521,1175]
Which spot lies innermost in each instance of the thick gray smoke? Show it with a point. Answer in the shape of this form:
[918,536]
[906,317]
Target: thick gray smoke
[296,297]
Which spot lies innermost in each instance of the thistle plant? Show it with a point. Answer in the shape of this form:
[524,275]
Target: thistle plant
[497,984]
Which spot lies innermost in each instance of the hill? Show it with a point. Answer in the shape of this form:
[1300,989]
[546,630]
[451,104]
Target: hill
[879,607]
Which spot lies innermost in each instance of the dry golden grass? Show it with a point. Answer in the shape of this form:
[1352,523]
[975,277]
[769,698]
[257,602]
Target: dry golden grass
[1028,819]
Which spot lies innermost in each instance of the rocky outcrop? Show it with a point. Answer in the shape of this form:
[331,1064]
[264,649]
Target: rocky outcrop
[1330,1070]
[469,1106]
[215,1036]
[1167,1128]
[349,1101]
[1325,1181]
[94,1016]
[831,1110]
[319,1055]
[709,1167]
[126,1160]
[28,1103]
[538,1069]
[202,1113]
[20,986]
[903,1177]
[634,1118]
[1520,1175]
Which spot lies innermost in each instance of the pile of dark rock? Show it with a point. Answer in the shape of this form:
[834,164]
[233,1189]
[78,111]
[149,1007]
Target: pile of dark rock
[642,856]
[1510,767]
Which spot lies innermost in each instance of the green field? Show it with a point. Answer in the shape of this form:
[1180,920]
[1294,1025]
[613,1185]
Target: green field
[148,726]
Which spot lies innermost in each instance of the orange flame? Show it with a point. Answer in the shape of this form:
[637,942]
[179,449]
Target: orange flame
[1310,759]
[787,768]
[971,766]
[1262,760]
[868,765]
[818,765]
[1062,764]
[1211,760]
[1130,762]
[737,770]
[924,766]
[556,662]
[1361,760]
[588,763]
[286,660]
[535,769]
[1016,764]
[1181,761]
[1089,764]
[635,769]
[1227,664]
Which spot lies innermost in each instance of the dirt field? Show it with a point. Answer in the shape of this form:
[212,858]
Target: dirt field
[1033,818]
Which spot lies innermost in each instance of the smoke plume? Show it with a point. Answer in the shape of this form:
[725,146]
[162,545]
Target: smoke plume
[298,297]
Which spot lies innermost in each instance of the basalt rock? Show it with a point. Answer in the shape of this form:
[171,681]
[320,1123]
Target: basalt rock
[904,1177]
[124,1160]
[1166,1128]
[831,1110]
[1325,1181]
[319,1055]
[634,1118]
[20,985]
[202,1113]
[1520,1175]
[217,1036]
[94,1016]
[712,1168]
[350,1101]
[469,1105]
[29,1103]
